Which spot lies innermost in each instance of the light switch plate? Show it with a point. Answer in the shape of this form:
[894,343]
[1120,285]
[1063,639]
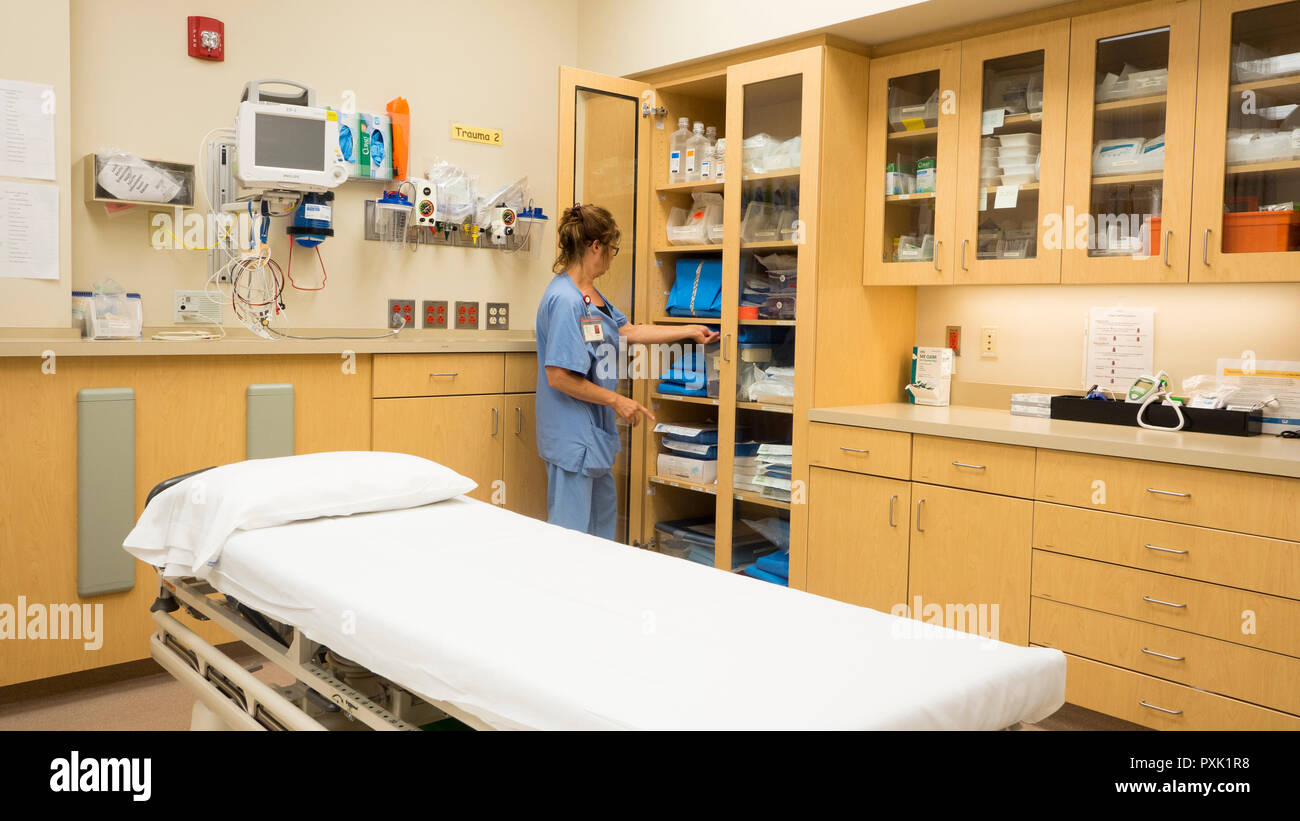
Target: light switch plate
[498,316]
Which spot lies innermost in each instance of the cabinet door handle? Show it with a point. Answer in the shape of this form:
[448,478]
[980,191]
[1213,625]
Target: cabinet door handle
[919,502]
[1165,603]
[972,467]
[937,243]
[1161,709]
[1169,493]
[452,374]
[726,348]
[892,499]
[963,252]
[1205,248]
[496,420]
[854,450]
[1168,234]
[1163,656]
[519,421]
[1165,549]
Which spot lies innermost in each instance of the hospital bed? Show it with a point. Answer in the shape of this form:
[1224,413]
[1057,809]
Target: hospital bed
[394,619]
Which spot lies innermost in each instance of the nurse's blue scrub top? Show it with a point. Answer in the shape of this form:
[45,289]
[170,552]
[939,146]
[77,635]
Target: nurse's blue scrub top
[574,435]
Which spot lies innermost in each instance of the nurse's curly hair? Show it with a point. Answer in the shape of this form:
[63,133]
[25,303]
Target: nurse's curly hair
[580,225]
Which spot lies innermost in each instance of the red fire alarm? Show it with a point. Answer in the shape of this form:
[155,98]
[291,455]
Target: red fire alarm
[207,39]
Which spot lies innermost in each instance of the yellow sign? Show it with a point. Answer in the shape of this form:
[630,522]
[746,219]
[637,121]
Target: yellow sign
[470,134]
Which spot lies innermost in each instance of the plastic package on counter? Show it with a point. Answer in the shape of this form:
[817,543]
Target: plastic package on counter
[113,313]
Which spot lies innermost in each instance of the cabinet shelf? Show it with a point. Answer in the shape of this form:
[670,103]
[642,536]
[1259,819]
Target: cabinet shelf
[783,243]
[759,499]
[1024,189]
[784,173]
[781,322]
[1132,105]
[1261,167]
[687,320]
[922,197]
[702,186]
[1128,179]
[760,406]
[694,400]
[1275,85]
[688,249]
[685,484]
[915,134]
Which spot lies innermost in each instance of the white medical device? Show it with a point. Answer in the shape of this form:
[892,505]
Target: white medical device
[425,202]
[287,146]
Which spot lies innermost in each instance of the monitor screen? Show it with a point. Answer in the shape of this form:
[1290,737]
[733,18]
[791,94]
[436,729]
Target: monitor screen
[289,142]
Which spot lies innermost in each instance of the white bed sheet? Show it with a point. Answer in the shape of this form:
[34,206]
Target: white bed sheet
[530,626]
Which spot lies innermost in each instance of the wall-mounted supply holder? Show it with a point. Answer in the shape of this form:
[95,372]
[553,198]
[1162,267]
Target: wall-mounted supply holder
[125,179]
[521,239]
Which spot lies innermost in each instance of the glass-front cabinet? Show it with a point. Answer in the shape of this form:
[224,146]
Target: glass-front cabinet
[1246,219]
[1011,155]
[912,167]
[1132,111]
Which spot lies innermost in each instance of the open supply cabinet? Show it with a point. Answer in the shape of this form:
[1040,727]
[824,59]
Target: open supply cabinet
[791,305]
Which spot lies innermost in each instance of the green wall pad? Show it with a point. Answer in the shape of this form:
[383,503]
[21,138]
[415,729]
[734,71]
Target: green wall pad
[105,489]
[270,421]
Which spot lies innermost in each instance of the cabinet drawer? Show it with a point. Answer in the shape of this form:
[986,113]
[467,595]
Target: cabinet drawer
[521,372]
[1226,499]
[1125,694]
[861,450]
[438,374]
[1007,470]
[1251,562]
[1221,667]
[1240,616]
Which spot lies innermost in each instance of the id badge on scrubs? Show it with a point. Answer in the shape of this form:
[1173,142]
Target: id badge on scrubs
[592,330]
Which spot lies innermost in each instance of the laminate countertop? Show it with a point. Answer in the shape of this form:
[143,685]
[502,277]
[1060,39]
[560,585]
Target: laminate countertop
[246,345]
[1267,454]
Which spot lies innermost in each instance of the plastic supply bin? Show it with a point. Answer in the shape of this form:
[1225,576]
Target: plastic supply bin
[1250,232]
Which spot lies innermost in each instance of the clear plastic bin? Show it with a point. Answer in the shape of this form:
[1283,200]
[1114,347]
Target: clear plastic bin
[1026,140]
[691,227]
[914,117]
[759,223]
[1262,146]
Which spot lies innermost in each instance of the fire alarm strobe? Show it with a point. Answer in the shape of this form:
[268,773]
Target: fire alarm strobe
[207,39]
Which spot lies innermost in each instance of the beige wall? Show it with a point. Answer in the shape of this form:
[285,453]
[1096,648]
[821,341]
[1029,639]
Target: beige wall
[1040,329]
[137,90]
[34,48]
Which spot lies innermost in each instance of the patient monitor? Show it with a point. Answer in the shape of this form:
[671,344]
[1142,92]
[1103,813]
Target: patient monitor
[284,143]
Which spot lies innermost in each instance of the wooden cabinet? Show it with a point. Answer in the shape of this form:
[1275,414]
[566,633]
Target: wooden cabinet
[1129,144]
[1246,159]
[858,538]
[465,433]
[438,374]
[1012,116]
[912,115]
[970,559]
[523,471]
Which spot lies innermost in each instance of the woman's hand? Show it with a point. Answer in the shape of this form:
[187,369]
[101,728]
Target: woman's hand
[699,333]
[630,410]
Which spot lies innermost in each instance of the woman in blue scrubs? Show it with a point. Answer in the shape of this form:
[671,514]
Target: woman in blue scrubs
[578,334]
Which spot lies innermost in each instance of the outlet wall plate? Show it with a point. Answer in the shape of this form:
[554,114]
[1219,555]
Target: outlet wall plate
[399,309]
[952,338]
[196,307]
[498,316]
[989,342]
[434,314]
[467,315]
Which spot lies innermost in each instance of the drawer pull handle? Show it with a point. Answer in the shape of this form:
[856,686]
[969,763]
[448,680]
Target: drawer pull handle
[1161,709]
[1163,656]
[919,502]
[892,499]
[519,421]
[1169,493]
[1166,549]
[1165,603]
[854,450]
[972,467]
[452,374]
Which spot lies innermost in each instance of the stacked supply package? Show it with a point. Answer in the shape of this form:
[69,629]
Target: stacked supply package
[697,288]
[692,373]
[768,471]
[772,567]
[770,293]
[695,539]
[690,451]
[765,373]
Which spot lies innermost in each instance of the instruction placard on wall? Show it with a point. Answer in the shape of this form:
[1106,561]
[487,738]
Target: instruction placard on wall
[473,134]
[1121,347]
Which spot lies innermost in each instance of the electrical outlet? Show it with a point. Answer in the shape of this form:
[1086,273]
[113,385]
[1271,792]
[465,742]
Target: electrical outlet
[989,342]
[467,315]
[196,306]
[398,310]
[498,316]
[952,338]
[435,314]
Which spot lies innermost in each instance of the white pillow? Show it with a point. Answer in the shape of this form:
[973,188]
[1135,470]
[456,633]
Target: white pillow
[189,522]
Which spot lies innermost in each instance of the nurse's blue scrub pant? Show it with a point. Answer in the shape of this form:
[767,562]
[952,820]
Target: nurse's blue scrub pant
[579,502]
